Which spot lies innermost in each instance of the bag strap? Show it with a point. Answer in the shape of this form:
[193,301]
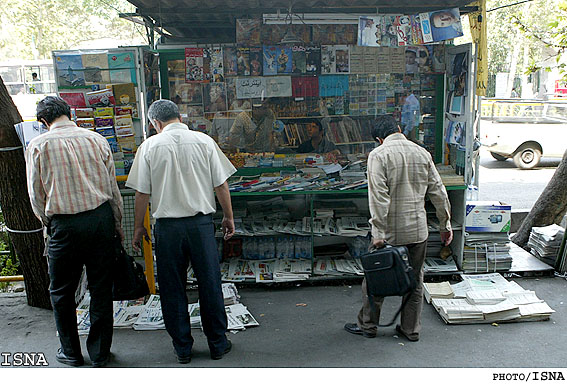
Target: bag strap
[373,309]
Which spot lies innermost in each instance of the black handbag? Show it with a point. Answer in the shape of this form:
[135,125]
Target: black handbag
[129,281]
[388,273]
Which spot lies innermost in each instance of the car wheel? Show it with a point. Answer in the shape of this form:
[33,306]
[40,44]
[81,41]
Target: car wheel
[498,157]
[527,158]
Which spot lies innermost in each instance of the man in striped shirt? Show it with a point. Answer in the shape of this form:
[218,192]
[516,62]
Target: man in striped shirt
[73,191]
[400,175]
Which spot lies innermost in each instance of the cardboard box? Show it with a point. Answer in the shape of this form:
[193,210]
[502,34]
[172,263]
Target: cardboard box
[488,216]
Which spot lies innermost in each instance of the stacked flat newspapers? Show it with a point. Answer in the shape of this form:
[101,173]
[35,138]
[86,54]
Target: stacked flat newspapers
[545,242]
[238,317]
[486,298]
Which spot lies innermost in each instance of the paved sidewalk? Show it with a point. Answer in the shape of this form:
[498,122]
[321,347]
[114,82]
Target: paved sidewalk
[313,335]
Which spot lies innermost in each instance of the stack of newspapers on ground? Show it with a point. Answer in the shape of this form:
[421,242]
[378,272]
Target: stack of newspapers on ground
[148,316]
[545,242]
[486,252]
[487,298]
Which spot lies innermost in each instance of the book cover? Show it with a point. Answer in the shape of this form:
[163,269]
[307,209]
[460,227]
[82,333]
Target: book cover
[243,61]
[425,27]
[333,85]
[194,65]
[122,67]
[270,60]
[230,65]
[312,60]
[328,59]
[69,70]
[96,68]
[298,60]
[256,62]
[283,59]
[102,98]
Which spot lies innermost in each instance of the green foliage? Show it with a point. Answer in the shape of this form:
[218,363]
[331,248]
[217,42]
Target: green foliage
[32,29]
[505,33]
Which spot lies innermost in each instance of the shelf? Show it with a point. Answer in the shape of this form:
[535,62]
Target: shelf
[319,117]
[253,171]
[359,192]
[356,142]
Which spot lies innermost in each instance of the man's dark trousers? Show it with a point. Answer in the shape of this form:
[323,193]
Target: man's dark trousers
[85,238]
[177,241]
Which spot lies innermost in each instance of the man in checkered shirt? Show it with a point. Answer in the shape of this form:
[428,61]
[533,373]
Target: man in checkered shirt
[73,191]
[400,175]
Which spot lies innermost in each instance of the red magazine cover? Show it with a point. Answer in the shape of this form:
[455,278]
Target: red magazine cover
[305,86]
[74,99]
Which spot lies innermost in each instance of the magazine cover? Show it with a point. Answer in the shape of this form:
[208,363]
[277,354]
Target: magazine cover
[334,85]
[122,67]
[369,31]
[214,64]
[194,65]
[328,59]
[278,86]
[186,93]
[445,25]
[270,60]
[243,61]
[248,31]
[230,66]
[305,86]
[214,97]
[388,31]
[312,60]
[403,28]
[256,62]
[342,56]
[69,70]
[96,68]
[283,59]
[235,104]
[416,34]
[298,59]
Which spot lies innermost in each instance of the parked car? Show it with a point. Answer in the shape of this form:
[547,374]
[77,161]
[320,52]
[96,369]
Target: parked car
[524,130]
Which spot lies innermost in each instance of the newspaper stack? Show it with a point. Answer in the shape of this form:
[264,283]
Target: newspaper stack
[291,270]
[490,298]
[438,265]
[352,226]
[230,294]
[83,317]
[195,315]
[486,252]
[126,312]
[438,291]
[545,242]
[151,317]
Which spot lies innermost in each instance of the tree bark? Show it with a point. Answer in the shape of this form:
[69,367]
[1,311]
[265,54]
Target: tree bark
[549,208]
[16,206]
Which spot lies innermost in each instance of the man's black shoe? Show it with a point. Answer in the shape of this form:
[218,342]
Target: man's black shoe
[355,330]
[409,337]
[218,356]
[72,361]
[183,359]
[103,362]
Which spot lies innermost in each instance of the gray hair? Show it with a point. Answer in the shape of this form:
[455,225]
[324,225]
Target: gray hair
[163,110]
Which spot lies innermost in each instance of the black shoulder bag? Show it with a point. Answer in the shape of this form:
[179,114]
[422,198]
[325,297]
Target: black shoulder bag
[388,273]
[128,276]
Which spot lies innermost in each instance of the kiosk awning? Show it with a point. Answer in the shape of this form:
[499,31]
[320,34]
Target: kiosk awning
[215,20]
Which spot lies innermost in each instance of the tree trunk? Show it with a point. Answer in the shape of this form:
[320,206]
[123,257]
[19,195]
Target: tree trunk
[16,206]
[549,208]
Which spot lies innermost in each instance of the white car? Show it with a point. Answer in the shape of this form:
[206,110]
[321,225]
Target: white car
[524,130]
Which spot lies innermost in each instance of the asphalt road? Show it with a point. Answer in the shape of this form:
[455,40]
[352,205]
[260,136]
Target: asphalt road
[502,181]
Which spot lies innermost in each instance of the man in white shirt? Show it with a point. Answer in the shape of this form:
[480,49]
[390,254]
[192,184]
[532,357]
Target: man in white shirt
[179,171]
